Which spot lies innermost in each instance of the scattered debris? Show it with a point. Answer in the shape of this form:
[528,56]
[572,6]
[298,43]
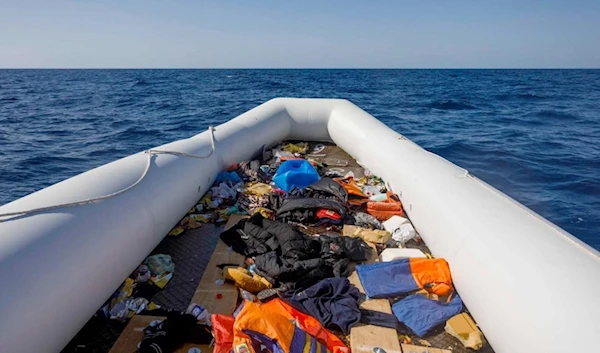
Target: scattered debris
[424,343]
[301,218]
[464,329]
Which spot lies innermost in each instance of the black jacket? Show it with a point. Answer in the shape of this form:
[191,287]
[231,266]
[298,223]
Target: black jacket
[284,255]
[305,209]
[327,188]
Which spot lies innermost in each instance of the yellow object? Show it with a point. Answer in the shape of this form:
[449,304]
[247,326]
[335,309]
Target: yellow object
[152,306]
[295,148]
[222,215]
[206,200]
[204,218]
[465,330]
[371,235]
[245,279]
[193,224]
[258,189]
[176,231]
[265,212]
[125,292]
[161,281]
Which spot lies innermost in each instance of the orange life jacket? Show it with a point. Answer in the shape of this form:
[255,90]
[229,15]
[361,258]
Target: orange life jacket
[351,186]
[282,329]
[384,210]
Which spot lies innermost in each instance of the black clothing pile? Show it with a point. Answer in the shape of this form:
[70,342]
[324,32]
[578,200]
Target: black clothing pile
[304,210]
[334,302]
[283,255]
[177,329]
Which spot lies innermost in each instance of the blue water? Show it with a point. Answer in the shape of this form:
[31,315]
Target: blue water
[534,134]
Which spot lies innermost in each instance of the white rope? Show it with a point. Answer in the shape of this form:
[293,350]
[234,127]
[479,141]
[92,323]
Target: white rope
[150,152]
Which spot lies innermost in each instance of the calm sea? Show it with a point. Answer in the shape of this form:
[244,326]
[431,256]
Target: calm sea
[534,134]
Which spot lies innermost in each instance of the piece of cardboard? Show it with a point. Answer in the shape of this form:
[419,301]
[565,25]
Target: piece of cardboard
[411,348]
[363,338]
[206,294]
[234,219]
[465,330]
[134,332]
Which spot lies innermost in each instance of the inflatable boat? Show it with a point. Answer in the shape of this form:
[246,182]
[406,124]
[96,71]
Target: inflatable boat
[531,286]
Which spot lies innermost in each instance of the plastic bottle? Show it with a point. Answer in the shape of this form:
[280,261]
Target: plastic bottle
[378,197]
[247,295]
[200,312]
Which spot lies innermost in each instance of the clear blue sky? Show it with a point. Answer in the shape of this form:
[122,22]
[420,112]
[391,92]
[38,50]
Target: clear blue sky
[282,33]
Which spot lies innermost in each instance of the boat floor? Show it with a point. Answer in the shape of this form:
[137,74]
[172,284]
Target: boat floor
[191,253]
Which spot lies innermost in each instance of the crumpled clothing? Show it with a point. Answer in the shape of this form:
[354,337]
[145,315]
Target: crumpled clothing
[259,189]
[327,188]
[125,309]
[332,301]
[305,209]
[251,202]
[250,171]
[328,217]
[284,255]
[352,188]
[225,191]
[422,314]
[228,176]
[222,327]
[378,318]
[295,192]
[365,220]
[371,235]
[335,247]
[171,333]
[265,212]
[145,290]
